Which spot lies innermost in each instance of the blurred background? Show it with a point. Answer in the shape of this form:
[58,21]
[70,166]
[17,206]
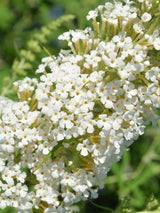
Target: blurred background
[133,184]
[22,21]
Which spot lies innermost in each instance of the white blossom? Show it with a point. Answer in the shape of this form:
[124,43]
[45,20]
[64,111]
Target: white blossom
[67,129]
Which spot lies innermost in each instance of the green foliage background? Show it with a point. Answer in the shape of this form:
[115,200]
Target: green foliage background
[133,184]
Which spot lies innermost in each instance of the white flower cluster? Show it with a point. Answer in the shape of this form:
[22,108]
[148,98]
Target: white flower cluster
[65,132]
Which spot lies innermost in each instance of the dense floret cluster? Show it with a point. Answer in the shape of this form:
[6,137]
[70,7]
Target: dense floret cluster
[91,103]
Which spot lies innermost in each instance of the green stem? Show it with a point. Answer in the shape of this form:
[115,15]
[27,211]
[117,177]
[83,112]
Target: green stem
[49,155]
[101,207]
[45,49]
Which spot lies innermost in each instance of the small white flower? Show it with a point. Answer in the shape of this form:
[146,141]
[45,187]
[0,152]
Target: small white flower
[104,122]
[57,169]
[156,43]
[92,14]
[146,17]
[45,147]
[84,147]
[67,179]
[4,201]
[66,121]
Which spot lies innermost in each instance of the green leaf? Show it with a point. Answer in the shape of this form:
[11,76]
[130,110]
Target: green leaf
[6,17]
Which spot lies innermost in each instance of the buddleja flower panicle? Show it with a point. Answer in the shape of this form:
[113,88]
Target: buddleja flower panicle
[67,129]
